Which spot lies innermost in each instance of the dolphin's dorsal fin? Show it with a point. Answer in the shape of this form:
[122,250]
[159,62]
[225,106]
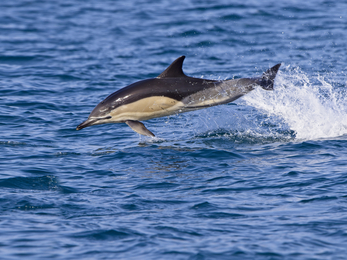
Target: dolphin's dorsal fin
[174,70]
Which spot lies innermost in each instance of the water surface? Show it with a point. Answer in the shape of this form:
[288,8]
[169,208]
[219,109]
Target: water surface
[261,178]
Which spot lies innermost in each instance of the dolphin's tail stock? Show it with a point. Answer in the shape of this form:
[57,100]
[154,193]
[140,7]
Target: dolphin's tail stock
[267,79]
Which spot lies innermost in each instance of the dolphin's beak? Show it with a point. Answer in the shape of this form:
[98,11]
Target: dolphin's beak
[88,122]
[93,121]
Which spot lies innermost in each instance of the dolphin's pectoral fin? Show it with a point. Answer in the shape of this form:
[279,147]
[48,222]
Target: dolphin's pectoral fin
[138,127]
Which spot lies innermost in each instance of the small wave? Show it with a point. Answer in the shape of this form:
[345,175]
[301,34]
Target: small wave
[250,136]
[103,234]
[12,143]
[31,183]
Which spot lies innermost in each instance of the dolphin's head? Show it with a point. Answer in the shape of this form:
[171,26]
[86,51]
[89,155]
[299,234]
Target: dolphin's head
[99,115]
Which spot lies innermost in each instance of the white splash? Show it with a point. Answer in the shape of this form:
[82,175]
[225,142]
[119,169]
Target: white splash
[311,107]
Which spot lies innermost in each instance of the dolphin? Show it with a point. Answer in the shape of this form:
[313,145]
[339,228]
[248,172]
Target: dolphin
[172,92]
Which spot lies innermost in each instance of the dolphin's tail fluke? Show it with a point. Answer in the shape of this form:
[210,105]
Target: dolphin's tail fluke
[267,79]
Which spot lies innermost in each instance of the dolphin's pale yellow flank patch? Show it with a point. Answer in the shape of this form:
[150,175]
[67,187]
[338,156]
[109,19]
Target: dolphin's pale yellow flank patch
[146,108]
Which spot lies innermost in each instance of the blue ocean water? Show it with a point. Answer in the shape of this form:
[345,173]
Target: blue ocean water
[264,177]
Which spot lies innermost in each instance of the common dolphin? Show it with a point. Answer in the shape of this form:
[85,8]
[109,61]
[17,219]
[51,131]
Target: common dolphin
[172,92]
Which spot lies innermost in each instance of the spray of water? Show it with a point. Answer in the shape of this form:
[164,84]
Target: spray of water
[310,106]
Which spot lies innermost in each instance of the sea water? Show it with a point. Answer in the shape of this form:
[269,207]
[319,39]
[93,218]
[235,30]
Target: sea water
[264,177]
